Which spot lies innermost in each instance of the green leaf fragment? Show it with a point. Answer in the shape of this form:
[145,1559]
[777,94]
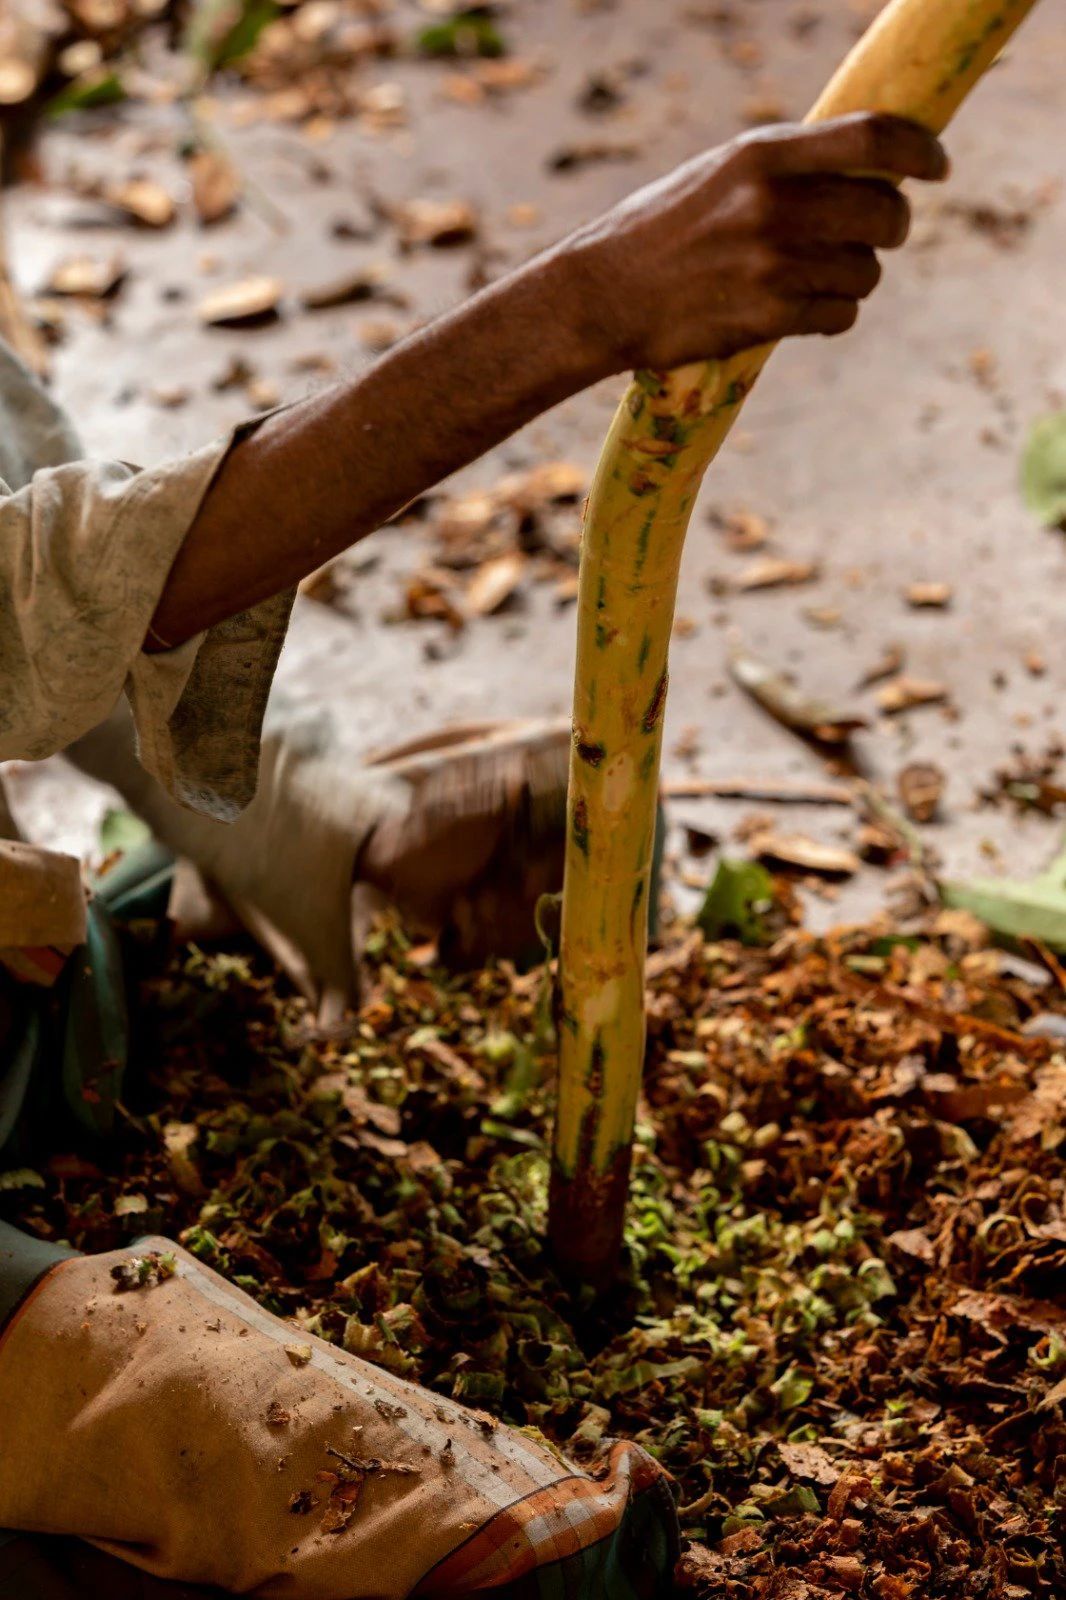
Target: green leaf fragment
[222,31]
[1033,908]
[121,831]
[1044,470]
[468,34]
[735,902]
[87,92]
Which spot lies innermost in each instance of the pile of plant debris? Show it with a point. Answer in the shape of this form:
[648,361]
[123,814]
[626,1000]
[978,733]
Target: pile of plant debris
[842,1325]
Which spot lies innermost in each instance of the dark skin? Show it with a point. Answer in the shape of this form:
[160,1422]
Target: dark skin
[764,238]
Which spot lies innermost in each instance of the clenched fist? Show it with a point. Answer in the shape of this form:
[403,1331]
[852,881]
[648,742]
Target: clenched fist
[773,234]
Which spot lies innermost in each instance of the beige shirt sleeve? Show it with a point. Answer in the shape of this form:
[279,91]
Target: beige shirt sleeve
[85,550]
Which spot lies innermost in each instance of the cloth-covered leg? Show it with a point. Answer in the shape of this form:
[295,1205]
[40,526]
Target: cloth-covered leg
[153,1408]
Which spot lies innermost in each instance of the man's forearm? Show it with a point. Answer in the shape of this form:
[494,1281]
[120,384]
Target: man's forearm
[324,473]
[745,245]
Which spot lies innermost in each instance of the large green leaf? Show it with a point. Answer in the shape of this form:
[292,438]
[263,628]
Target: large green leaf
[1032,908]
[1044,470]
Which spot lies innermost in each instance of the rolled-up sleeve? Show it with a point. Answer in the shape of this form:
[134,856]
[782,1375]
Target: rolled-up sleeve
[85,550]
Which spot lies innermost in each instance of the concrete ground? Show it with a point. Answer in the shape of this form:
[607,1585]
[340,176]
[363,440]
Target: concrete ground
[889,457]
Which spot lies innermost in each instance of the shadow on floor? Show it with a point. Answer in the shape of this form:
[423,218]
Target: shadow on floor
[67,1569]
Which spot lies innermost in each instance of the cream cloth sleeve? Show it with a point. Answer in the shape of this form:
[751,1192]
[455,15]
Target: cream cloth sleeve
[85,549]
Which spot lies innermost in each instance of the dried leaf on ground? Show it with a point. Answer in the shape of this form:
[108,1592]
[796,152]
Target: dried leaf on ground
[216,185]
[782,791]
[250,300]
[590,153]
[928,596]
[437,223]
[144,201]
[811,855]
[921,788]
[903,693]
[816,719]
[773,572]
[94,277]
[494,584]
[742,530]
[351,288]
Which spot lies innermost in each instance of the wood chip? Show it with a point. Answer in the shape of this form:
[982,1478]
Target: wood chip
[299,1354]
[249,300]
[144,201]
[774,572]
[551,482]
[494,584]
[902,693]
[920,785]
[437,223]
[593,152]
[170,395]
[93,277]
[431,595]
[742,530]
[928,596]
[823,616]
[216,185]
[761,789]
[796,850]
[366,283]
[18,80]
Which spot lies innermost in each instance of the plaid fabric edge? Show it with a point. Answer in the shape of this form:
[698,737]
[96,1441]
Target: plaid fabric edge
[614,1536]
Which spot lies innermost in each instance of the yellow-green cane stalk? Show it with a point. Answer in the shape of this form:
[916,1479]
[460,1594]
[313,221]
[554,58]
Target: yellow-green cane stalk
[919,60]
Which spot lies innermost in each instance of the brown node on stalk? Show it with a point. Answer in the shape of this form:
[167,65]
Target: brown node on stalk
[587,1217]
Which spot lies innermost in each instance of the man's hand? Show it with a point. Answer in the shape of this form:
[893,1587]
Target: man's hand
[771,235]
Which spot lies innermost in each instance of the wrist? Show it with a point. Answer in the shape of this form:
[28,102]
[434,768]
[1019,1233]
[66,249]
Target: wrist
[570,309]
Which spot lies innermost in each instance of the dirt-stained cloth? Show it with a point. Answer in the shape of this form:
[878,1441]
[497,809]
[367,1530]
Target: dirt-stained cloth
[85,550]
[180,1426]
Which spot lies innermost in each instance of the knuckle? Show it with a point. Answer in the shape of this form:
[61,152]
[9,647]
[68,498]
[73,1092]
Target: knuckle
[758,206]
[764,262]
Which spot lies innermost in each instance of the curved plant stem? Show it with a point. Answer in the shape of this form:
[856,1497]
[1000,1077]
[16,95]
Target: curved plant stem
[919,60]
